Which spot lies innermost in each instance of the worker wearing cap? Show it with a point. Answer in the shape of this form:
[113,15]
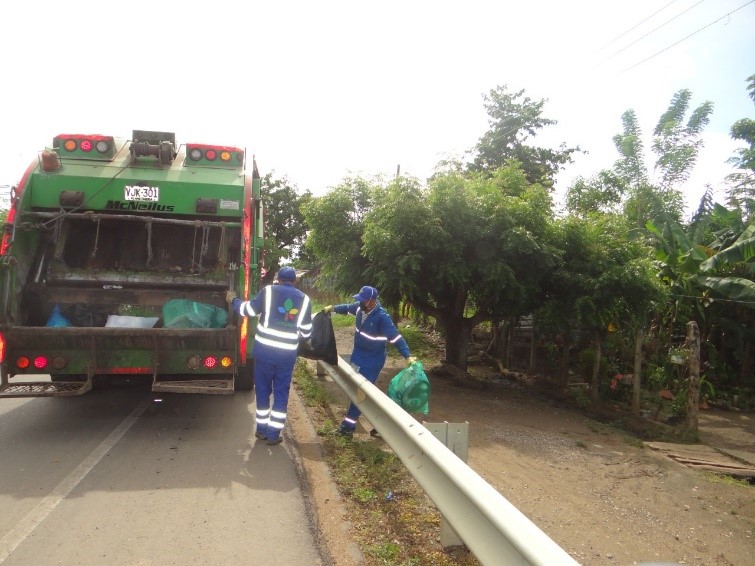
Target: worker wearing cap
[374,330]
[285,318]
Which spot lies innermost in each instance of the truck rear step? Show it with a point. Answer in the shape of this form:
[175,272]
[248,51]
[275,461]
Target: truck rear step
[211,386]
[45,388]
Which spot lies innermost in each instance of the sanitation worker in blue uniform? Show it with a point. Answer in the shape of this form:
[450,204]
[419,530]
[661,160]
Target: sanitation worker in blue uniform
[285,317]
[374,330]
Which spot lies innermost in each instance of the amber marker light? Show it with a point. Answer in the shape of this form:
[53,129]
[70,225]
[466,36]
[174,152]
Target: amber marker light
[225,156]
[70,145]
[226,361]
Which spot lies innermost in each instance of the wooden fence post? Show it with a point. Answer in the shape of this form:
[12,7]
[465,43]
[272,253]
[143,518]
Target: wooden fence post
[693,369]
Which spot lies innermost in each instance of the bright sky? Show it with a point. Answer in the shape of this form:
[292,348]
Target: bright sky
[321,90]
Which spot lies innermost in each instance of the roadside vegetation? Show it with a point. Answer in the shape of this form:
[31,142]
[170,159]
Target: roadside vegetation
[604,299]
[393,521]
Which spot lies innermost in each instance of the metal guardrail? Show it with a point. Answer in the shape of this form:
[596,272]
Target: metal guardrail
[491,527]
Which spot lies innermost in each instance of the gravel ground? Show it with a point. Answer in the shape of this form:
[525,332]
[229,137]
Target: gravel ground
[598,493]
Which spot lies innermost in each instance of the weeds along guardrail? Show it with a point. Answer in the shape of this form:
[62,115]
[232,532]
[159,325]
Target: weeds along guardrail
[491,527]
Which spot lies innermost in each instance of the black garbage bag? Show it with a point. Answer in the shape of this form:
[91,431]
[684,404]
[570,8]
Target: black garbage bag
[322,344]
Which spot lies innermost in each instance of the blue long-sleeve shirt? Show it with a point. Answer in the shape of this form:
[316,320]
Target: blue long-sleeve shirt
[373,332]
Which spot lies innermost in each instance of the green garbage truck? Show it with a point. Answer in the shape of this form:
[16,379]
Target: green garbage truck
[116,260]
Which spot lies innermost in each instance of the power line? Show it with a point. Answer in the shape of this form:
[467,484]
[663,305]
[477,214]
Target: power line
[637,25]
[687,37]
[653,31]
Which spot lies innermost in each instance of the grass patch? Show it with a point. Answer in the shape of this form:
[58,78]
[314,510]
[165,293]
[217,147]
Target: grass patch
[419,343]
[728,480]
[311,390]
[394,523]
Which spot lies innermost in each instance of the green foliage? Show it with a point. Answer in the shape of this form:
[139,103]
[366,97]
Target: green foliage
[741,192]
[466,242]
[676,144]
[514,118]
[336,222]
[285,227]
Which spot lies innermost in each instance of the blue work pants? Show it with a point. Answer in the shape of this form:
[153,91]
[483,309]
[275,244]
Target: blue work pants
[272,378]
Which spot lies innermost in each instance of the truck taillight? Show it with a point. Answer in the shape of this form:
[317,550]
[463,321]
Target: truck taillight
[214,155]
[210,362]
[40,362]
[23,362]
[91,146]
[2,347]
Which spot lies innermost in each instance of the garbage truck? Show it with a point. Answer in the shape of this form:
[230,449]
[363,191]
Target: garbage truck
[117,259]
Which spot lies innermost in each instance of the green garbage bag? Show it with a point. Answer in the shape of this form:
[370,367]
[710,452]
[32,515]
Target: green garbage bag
[410,389]
[183,313]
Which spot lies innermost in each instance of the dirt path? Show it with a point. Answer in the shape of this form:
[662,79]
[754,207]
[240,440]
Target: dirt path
[598,493]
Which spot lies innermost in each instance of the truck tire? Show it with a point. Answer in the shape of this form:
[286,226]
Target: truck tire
[244,380]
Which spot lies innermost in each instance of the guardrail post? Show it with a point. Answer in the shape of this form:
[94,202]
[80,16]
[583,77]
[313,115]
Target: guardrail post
[455,437]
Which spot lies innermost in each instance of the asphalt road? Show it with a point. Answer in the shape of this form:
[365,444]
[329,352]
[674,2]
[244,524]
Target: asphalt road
[124,476]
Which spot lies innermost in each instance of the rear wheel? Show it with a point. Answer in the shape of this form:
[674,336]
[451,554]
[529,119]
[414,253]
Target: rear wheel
[244,380]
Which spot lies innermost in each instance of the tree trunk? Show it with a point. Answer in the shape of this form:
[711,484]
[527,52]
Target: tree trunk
[563,368]
[637,375]
[746,361]
[457,343]
[594,380]
[533,352]
[509,342]
[502,342]
[693,368]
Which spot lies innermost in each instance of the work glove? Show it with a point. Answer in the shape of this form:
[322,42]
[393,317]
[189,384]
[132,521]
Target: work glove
[329,308]
[235,304]
[410,360]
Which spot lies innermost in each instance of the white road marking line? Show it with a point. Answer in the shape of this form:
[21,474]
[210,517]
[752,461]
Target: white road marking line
[33,518]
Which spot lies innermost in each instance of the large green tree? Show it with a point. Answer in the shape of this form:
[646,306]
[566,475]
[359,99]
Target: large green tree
[603,279]
[514,119]
[285,227]
[465,250]
[641,195]
[336,222]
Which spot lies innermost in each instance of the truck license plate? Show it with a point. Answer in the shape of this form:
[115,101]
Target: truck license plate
[137,192]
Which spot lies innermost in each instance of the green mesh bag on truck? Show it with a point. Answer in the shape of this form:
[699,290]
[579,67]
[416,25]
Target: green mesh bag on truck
[183,313]
[410,389]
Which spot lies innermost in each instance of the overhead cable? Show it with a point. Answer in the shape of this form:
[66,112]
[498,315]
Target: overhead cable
[687,37]
[637,25]
[653,31]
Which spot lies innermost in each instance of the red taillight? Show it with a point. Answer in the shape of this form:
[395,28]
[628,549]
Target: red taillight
[210,362]
[210,154]
[40,362]
[86,145]
[23,362]
[2,347]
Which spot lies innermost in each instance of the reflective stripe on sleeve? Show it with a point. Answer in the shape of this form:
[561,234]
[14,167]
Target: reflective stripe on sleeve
[369,337]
